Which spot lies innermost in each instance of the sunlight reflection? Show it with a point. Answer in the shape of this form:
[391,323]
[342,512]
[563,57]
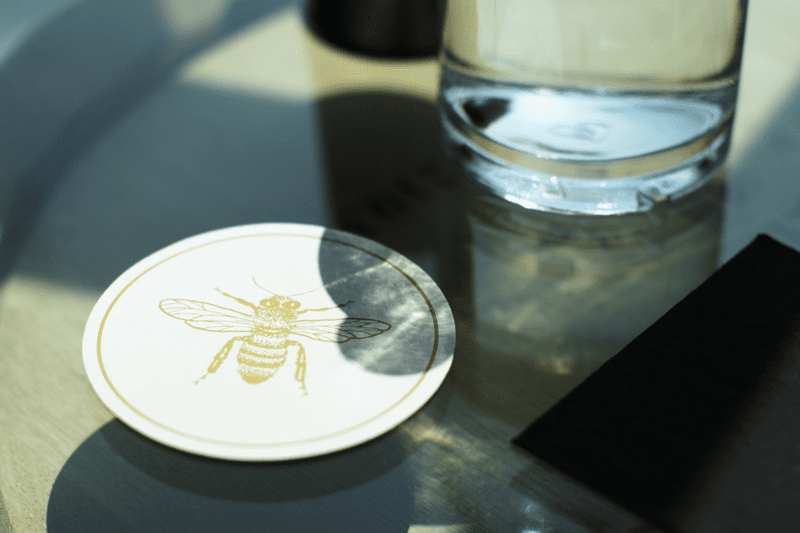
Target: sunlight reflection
[301,67]
[45,392]
[190,18]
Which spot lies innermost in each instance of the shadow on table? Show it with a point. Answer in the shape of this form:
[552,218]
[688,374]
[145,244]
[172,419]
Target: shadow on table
[118,480]
[76,77]
[383,166]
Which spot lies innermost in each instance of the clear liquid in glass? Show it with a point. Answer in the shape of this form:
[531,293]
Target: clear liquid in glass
[585,150]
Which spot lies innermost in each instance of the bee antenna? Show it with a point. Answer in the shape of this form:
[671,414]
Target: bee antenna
[302,293]
[287,295]
[262,288]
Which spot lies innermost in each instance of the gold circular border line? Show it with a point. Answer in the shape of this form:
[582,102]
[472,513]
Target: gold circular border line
[288,443]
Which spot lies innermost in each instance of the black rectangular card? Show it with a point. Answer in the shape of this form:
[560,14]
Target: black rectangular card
[695,425]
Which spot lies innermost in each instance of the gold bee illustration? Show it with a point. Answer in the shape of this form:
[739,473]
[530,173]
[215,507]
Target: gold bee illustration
[268,326]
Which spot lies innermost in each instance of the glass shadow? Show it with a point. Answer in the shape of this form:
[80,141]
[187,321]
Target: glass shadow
[542,300]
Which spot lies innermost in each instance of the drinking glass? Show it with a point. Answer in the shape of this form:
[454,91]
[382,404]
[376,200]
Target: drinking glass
[590,106]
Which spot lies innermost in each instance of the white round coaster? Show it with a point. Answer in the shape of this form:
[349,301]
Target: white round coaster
[269,342]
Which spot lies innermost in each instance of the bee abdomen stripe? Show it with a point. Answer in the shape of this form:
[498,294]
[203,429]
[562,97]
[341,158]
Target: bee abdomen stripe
[261,362]
[260,351]
[275,340]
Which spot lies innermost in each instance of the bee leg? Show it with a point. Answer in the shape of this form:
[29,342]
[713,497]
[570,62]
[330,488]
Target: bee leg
[300,373]
[219,358]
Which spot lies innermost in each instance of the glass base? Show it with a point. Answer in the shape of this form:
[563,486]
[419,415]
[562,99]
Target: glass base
[591,151]
[588,196]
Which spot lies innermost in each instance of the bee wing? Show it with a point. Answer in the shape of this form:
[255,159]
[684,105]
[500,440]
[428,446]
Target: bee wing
[208,317]
[339,329]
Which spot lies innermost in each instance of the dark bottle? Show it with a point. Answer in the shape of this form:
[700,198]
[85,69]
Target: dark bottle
[383,28]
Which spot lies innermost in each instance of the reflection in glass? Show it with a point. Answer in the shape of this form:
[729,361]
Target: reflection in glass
[541,300]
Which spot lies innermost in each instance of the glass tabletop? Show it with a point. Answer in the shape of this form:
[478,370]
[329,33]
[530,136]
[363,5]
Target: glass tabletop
[128,126]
